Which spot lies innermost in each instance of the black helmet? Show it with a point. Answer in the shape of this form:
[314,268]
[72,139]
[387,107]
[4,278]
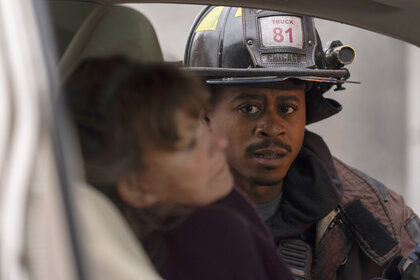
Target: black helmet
[229,46]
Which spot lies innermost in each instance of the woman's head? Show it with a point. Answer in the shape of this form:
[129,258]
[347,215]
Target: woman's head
[140,130]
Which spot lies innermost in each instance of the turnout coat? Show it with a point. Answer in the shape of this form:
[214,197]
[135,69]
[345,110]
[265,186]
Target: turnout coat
[371,225]
[352,224]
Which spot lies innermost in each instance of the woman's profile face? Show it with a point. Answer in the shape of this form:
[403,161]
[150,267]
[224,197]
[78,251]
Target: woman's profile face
[195,173]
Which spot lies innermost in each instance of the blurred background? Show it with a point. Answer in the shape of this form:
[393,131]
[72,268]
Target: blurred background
[378,130]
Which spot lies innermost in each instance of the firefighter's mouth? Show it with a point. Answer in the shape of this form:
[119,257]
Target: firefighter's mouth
[270,156]
[273,159]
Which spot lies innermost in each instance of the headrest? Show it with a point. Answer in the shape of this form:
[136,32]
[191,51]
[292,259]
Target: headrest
[112,31]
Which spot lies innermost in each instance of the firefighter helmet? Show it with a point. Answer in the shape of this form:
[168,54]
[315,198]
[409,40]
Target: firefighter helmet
[229,45]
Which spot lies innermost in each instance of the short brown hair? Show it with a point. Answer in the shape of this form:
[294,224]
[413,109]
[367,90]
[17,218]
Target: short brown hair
[120,106]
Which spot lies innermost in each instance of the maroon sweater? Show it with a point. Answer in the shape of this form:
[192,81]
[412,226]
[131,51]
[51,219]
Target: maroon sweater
[226,240]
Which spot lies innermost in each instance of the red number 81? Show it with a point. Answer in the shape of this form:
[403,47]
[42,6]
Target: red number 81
[278,34]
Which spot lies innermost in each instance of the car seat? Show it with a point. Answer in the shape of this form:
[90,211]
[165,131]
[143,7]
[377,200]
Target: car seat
[110,247]
[108,31]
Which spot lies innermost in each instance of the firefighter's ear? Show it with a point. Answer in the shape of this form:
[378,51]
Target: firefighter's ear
[135,193]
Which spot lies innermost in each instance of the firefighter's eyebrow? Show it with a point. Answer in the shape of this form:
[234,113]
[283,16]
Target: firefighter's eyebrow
[287,98]
[246,96]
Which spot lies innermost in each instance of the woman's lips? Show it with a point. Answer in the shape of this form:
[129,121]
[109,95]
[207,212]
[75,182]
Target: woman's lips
[221,169]
[220,165]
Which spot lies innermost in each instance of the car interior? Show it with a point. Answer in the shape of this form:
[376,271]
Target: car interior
[102,28]
[110,249]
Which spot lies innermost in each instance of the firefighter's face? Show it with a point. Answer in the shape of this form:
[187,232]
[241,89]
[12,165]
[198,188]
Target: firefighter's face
[264,127]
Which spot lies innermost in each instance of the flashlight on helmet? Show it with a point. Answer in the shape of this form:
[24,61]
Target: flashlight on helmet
[338,55]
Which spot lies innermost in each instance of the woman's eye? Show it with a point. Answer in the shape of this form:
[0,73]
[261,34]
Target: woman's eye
[286,109]
[191,144]
[250,109]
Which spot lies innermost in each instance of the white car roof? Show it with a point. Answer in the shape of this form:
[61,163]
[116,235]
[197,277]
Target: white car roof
[395,18]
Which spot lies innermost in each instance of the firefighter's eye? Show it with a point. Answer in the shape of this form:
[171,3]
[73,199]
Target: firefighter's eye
[287,109]
[250,109]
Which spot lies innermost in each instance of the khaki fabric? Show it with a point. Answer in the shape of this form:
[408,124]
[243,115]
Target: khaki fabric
[112,31]
[110,249]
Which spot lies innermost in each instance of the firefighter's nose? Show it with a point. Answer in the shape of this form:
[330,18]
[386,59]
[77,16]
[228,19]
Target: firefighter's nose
[270,127]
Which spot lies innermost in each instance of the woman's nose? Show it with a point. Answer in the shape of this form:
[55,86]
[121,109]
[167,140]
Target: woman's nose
[219,142]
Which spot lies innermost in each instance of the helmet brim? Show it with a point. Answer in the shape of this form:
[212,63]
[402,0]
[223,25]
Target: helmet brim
[226,76]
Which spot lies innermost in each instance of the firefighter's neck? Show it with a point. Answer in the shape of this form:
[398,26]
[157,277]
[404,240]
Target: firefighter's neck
[258,193]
